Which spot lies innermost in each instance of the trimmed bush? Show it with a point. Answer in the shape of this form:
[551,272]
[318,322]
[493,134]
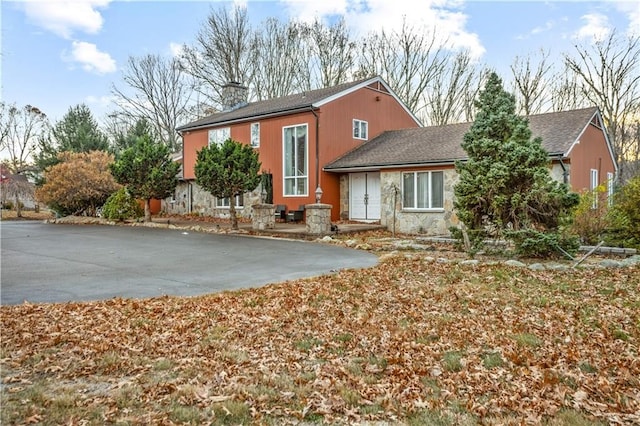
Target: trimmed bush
[121,205]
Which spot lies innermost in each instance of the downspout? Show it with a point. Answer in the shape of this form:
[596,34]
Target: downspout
[317,146]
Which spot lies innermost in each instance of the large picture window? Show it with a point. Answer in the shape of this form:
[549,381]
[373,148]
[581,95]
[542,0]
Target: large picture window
[295,160]
[423,190]
[218,136]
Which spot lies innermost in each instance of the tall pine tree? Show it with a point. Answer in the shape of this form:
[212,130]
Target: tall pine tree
[505,187]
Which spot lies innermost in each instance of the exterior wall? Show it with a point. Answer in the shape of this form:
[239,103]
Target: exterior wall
[430,223]
[333,123]
[557,172]
[203,203]
[590,153]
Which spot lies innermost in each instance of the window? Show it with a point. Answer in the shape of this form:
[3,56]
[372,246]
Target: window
[610,187]
[218,136]
[255,135]
[360,129]
[423,190]
[295,160]
[224,202]
[594,188]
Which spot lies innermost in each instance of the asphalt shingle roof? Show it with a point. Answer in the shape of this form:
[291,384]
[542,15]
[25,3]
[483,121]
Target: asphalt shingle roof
[273,106]
[442,144]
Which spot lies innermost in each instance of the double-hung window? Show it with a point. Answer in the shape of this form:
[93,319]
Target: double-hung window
[360,129]
[423,190]
[255,135]
[224,202]
[610,187]
[218,136]
[594,188]
[295,146]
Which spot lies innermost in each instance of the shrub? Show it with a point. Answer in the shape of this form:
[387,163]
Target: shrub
[624,216]
[590,222]
[121,205]
[533,243]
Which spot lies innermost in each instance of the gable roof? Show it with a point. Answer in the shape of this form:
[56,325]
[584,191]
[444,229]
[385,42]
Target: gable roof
[304,101]
[443,144]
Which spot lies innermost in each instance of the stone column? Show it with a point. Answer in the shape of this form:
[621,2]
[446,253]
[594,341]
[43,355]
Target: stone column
[318,218]
[263,216]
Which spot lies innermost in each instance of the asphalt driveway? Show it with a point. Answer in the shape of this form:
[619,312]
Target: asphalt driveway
[60,263]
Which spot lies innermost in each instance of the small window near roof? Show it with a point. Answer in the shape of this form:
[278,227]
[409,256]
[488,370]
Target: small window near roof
[255,135]
[219,136]
[360,129]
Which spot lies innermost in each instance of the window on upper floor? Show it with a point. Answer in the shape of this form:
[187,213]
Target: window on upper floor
[218,136]
[255,135]
[423,190]
[295,143]
[360,129]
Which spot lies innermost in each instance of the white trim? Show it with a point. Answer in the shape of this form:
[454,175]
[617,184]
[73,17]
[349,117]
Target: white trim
[219,130]
[366,83]
[306,162]
[429,191]
[604,132]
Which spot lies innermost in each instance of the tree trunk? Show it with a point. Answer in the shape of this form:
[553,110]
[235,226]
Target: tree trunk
[18,206]
[232,213]
[147,210]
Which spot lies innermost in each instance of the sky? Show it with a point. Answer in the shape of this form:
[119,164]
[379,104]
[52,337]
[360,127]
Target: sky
[57,54]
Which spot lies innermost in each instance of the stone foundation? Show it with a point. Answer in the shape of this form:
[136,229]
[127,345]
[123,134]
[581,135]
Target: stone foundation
[318,218]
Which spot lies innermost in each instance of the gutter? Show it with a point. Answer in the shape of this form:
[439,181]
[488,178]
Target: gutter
[246,118]
[391,166]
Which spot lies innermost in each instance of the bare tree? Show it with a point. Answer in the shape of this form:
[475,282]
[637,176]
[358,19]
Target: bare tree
[565,92]
[160,94]
[20,130]
[607,73]
[281,66]
[222,53]
[332,53]
[408,60]
[529,82]
[452,90]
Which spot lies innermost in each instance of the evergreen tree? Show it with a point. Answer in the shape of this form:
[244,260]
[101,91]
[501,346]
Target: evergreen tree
[78,131]
[505,187]
[122,141]
[228,170]
[146,169]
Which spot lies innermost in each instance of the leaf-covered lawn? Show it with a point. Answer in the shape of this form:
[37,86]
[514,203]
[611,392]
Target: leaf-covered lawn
[411,341]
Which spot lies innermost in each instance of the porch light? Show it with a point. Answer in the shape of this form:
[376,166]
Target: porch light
[318,194]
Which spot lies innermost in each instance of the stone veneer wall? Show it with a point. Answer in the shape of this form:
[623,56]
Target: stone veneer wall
[410,222]
[344,197]
[204,204]
[263,216]
[318,219]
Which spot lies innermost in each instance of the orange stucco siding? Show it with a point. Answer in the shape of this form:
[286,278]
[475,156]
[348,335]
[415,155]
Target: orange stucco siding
[590,153]
[335,131]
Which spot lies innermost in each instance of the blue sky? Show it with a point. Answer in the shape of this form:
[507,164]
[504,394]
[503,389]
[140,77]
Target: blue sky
[56,54]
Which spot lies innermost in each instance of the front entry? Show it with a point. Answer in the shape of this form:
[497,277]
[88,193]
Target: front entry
[364,199]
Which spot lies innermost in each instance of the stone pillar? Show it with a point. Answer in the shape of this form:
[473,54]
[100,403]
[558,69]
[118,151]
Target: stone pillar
[318,218]
[263,216]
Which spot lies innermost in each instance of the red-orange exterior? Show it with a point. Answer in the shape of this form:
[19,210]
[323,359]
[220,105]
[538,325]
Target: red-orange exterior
[590,153]
[333,125]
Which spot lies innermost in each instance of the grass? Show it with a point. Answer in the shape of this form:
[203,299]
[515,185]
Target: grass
[408,342]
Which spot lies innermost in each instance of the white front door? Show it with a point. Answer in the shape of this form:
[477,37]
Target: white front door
[364,200]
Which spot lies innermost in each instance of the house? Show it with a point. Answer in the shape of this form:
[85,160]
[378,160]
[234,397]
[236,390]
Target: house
[296,136]
[410,173]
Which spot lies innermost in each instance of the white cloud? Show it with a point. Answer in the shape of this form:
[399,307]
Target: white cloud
[100,101]
[66,17]
[595,28]
[90,58]
[176,49]
[632,11]
[364,16]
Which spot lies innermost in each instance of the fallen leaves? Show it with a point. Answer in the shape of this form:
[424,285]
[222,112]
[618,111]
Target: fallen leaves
[403,339]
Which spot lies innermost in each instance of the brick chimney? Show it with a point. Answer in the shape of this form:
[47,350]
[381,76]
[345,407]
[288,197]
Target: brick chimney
[234,96]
